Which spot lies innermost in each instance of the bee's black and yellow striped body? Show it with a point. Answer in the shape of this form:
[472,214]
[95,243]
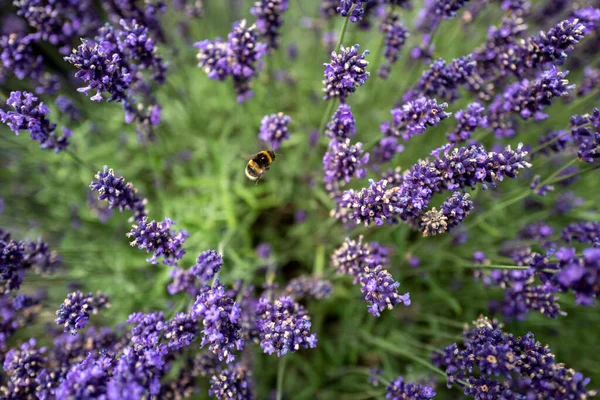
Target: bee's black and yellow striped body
[259,164]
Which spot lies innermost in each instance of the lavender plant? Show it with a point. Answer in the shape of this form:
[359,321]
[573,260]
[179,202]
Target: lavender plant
[434,164]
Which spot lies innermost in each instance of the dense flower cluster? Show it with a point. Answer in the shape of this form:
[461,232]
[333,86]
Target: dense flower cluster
[268,15]
[395,37]
[467,121]
[75,311]
[352,9]
[31,115]
[208,264]
[342,125]
[460,168]
[118,193]
[234,382]
[159,239]
[442,80]
[398,389]
[17,256]
[283,326]
[308,287]
[344,161]
[529,368]
[365,262]
[238,57]
[221,317]
[274,129]
[414,117]
[345,72]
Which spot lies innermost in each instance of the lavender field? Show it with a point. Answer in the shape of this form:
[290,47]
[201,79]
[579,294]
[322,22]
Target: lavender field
[299,199]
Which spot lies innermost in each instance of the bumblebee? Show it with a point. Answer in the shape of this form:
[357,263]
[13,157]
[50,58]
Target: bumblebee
[259,164]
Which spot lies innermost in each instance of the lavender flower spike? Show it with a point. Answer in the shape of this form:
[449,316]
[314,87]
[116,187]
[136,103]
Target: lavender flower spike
[414,117]
[30,114]
[75,311]
[342,125]
[274,129]
[352,9]
[159,239]
[268,15]
[380,290]
[395,37]
[344,161]
[345,73]
[399,390]
[375,203]
[208,264]
[283,326]
[118,193]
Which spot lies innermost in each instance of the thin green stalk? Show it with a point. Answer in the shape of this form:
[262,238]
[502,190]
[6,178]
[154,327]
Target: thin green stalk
[494,266]
[327,115]
[319,260]
[555,174]
[583,171]
[385,345]
[280,376]
[343,32]
[549,143]
[80,161]
[498,207]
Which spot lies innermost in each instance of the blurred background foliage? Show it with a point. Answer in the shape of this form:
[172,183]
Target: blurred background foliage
[194,174]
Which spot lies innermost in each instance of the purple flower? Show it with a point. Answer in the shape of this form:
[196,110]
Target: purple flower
[395,37]
[183,281]
[380,290]
[222,323]
[582,232]
[147,329]
[29,114]
[19,57]
[212,58]
[399,390]
[386,149]
[342,125]
[145,13]
[66,106]
[23,365]
[344,161]
[589,149]
[352,9]
[244,52]
[75,311]
[268,15]
[454,210]
[308,287]
[345,73]
[283,326]
[353,256]
[234,382]
[87,379]
[375,203]
[540,190]
[60,22]
[136,44]
[497,354]
[518,302]
[414,117]
[448,8]
[118,193]
[208,264]
[559,139]
[566,201]
[159,239]
[527,99]
[467,121]
[137,374]
[274,129]
[103,69]
[181,330]
[442,80]
[264,251]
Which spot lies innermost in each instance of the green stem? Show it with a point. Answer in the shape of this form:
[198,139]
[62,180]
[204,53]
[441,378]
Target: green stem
[319,260]
[583,171]
[326,116]
[343,32]
[385,345]
[80,161]
[481,217]
[280,376]
[494,266]
[555,174]
[549,143]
